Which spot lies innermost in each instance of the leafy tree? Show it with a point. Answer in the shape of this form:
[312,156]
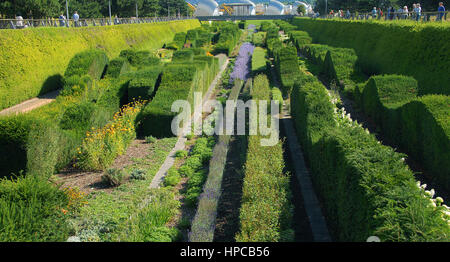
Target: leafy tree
[301,9]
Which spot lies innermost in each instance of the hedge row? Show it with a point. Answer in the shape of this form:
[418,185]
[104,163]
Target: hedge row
[229,34]
[266,211]
[117,67]
[259,61]
[286,65]
[178,41]
[179,81]
[300,38]
[420,126]
[381,48]
[144,83]
[365,187]
[140,58]
[33,61]
[46,138]
[337,65]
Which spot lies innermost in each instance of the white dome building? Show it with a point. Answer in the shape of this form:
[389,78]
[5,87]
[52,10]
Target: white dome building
[207,8]
[275,8]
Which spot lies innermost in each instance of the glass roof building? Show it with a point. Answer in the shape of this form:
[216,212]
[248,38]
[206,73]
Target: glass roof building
[207,8]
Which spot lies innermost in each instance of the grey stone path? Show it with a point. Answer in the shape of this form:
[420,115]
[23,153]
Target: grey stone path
[31,104]
[311,203]
[170,159]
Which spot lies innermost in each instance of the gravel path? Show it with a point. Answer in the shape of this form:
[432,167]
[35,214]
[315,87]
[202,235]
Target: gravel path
[31,104]
[170,159]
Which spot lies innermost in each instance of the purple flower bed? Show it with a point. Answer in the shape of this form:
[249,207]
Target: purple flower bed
[243,63]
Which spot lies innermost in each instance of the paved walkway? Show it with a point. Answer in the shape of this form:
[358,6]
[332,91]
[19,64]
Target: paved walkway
[170,159]
[31,104]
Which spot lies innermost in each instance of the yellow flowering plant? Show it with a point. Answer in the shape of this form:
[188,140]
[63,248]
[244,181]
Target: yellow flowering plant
[101,146]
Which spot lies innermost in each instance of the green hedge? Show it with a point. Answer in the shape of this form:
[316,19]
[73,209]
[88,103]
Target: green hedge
[419,126]
[259,61]
[391,48]
[90,62]
[118,66]
[300,38]
[365,187]
[337,65]
[185,55]
[259,39]
[229,34]
[32,61]
[178,82]
[425,134]
[144,83]
[266,211]
[31,209]
[178,41]
[286,64]
[46,138]
[140,58]
[382,96]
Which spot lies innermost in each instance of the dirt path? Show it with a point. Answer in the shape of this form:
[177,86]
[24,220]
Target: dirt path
[31,104]
[170,160]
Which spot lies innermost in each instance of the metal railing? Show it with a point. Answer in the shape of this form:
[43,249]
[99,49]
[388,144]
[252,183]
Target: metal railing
[390,16]
[52,22]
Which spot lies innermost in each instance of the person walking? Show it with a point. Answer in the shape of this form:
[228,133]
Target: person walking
[76,17]
[441,11]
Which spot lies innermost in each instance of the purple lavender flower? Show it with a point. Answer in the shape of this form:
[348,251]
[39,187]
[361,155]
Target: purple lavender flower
[242,65]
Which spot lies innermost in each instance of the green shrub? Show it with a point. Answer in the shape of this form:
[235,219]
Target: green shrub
[113,177]
[380,48]
[300,38]
[38,65]
[178,41]
[277,96]
[266,208]
[77,116]
[185,55]
[91,62]
[144,83]
[425,134]
[118,66]
[229,34]
[138,174]
[259,61]
[181,154]
[286,63]
[172,178]
[150,139]
[365,187]
[259,39]
[32,209]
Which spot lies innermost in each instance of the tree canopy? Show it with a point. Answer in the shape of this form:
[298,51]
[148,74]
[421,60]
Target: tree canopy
[91,8]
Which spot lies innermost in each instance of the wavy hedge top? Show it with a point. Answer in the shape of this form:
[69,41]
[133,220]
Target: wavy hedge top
[418,50]
[28,58]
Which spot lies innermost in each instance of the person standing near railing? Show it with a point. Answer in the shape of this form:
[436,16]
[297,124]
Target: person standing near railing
[76,17]
[418,12]
[19,21]
[374,13]
[62,20]
[441,11]
[405,12]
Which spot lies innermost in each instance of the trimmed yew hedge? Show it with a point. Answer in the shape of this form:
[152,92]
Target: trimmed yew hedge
[229,34]
[266,211]
[415,49]
[144,83]
[90,62]
[179,81]
[117,67]
[185,55]
[365,187]
[32,61]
